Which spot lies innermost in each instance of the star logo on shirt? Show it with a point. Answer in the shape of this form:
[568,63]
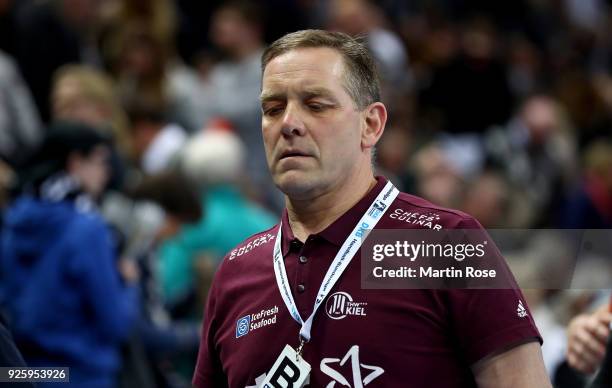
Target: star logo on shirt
[358,381]
[327,366]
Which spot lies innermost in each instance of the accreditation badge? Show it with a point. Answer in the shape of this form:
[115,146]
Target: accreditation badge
[290,370]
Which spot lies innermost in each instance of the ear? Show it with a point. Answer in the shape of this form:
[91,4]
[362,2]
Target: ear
[374,120]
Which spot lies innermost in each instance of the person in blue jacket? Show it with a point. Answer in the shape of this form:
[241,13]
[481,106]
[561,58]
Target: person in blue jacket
[60,284]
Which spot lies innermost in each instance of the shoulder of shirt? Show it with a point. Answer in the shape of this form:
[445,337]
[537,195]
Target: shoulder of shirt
[253,245]
[427,212]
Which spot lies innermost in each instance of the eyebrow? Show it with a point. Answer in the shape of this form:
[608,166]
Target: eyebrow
[308,93]
[265,97]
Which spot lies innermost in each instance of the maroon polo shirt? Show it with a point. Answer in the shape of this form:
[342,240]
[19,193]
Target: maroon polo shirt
[386,338]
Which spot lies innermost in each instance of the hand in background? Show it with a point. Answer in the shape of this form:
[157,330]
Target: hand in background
[129,270]
[587,337]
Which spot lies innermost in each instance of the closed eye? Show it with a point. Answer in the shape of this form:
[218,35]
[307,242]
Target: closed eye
[272,110]
[315,107]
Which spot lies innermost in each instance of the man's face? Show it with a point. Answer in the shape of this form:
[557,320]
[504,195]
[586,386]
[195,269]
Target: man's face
[311,126]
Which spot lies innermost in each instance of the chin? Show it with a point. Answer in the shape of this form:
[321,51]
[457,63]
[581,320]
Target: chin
[295,184]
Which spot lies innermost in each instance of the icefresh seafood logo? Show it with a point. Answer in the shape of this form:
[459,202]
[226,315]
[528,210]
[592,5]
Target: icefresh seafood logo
[242,326]
[251,322]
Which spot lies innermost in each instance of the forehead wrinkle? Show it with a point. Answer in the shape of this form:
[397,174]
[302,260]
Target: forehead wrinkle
[294,66]
[310,87]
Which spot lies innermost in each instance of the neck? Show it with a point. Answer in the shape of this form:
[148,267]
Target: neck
[313,215]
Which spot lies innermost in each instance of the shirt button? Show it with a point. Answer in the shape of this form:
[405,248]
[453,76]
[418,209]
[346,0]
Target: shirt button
[296,245]
[301,288]
[303,259]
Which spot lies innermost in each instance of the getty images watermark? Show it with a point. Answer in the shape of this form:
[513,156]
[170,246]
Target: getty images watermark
[473,258]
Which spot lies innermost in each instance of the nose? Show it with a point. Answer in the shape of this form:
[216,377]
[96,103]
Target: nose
[292,124]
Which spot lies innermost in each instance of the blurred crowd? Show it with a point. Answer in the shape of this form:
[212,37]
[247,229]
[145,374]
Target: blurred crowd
[143,116]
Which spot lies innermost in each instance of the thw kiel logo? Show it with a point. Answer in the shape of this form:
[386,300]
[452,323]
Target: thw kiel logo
[340,304]
[520,310]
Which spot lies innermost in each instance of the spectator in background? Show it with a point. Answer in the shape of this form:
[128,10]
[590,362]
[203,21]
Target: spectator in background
[536,152]
[85,94]
[487,200]
[475,70]
[163,338]
[62,288]
[214,160]
[51,34]
[587,335]
[392,155]
[525,65]
[231,88]
[146,67]
[366,20]
[138,44]
[437,178]
[20,127]
[157,16]
[362,18]
[590,204]
[157,142]
[7,178]
[236,31]
[140,65]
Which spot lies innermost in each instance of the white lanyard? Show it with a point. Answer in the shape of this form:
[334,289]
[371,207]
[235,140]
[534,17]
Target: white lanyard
[344,256]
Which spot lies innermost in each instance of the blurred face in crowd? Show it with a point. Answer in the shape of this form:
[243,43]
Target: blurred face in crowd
[229,30]
[70,103]
[142,56]
[81,13]
[540,117]
[353,17]
[313,132]
[479,41]
[485,200]
[92,170]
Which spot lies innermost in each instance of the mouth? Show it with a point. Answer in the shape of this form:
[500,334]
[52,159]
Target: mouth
[292,154]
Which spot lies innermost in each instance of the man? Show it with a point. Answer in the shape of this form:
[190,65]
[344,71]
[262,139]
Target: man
[321,120]
[67,302]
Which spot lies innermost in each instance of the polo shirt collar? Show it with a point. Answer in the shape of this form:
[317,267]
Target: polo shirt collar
[339,230]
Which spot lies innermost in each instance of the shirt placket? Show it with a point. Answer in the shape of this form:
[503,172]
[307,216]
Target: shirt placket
[301,288]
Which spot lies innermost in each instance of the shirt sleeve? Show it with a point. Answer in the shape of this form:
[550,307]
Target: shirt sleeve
[209,371]
[487,321]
